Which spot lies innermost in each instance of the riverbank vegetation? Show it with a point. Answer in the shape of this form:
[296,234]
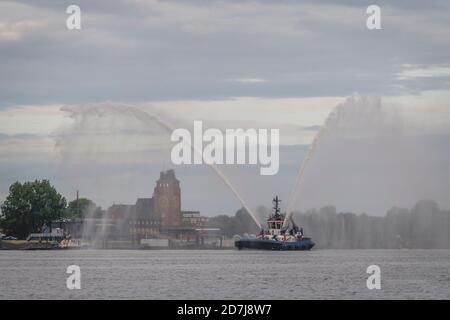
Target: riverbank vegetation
[32,205]
[425,225]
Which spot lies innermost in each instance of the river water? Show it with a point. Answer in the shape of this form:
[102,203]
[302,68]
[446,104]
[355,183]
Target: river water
[225,274]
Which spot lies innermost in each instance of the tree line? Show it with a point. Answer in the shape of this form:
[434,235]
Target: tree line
[33,205]
[423,226]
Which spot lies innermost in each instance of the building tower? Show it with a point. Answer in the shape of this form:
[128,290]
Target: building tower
[166,200]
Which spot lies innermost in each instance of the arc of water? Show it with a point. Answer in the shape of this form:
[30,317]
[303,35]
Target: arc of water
[311,150]
[214,167]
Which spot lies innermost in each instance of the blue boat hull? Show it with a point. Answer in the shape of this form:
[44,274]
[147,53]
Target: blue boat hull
[305,244]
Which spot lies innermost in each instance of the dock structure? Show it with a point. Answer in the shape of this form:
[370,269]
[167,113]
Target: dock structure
[45,237]
[209,234]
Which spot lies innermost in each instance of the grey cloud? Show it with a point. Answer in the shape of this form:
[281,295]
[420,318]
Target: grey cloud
[137,51]
[419,84]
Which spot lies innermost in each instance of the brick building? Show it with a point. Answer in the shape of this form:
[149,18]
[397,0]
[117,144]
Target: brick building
[166,200]
[194,219]
[149,218]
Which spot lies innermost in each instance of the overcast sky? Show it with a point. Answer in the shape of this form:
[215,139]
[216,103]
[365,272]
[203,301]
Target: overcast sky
[260,64]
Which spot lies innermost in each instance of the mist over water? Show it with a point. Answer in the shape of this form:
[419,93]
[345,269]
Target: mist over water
[365,161]
[362,160]
[92,138]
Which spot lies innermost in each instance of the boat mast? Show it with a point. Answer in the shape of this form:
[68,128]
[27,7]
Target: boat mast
[276,207]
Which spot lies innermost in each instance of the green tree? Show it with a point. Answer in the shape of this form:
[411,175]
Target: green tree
[226,223]
[245,223]
[30,206]
[241,223]
[82,208]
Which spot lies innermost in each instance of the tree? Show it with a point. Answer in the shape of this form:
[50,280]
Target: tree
[30,206]
[226,223]
[82,208]
[245,222]
[241,223]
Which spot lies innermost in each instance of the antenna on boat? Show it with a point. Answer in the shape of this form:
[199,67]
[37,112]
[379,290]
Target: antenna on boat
[276,207]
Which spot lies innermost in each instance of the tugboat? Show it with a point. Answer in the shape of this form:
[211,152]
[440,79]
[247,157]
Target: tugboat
[276,237]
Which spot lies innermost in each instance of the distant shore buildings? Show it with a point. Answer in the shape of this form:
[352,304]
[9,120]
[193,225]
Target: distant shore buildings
[158,217]
[149,217]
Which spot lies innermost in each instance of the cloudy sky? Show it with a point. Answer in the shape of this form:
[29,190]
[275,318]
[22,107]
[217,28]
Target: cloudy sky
[249,64]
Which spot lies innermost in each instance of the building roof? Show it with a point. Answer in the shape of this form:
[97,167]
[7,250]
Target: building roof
[121,211]
[144,209]
[168,175]
[190,213]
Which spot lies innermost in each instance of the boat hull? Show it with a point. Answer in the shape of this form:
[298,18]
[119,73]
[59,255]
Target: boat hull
[305,244]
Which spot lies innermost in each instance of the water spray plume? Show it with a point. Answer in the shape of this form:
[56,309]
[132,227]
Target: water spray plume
[333,119]
[298,179]
[147,117]
[214,167]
